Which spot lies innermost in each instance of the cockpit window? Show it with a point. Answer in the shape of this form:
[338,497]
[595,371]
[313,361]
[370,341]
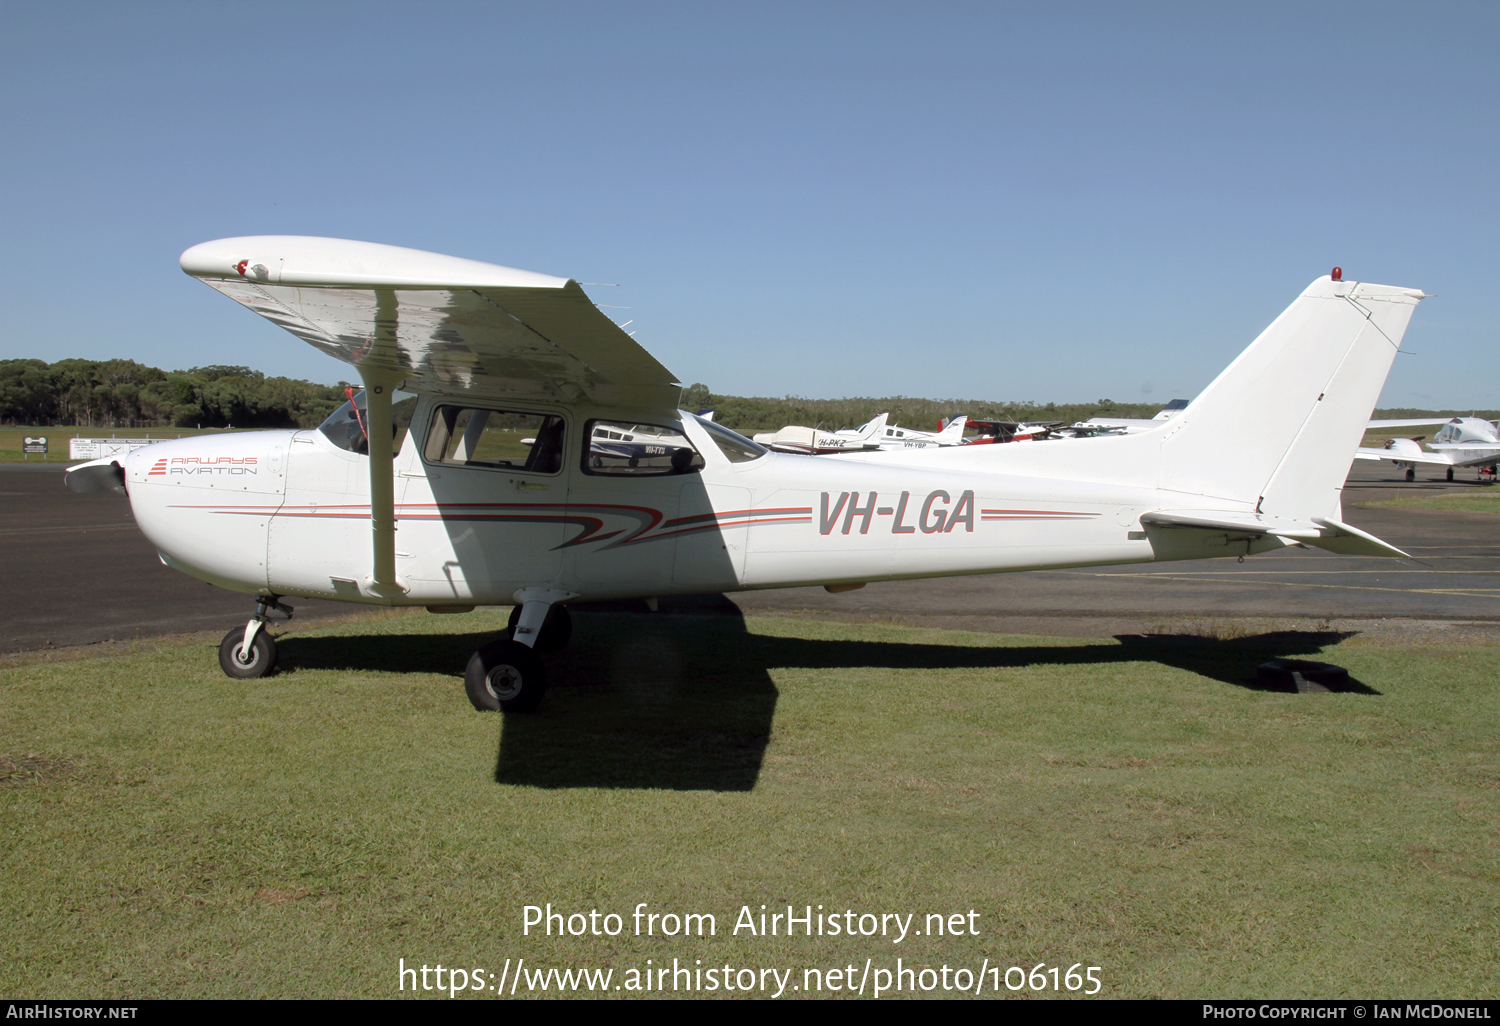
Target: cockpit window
[348,426]
[496,438]
[735,447]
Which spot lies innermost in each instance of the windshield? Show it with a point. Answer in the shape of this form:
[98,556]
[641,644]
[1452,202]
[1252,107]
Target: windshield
[347,427]
[735,447]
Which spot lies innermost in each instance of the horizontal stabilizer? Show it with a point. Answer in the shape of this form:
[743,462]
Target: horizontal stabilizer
[1234,522]
[1351,541]
[1322,532]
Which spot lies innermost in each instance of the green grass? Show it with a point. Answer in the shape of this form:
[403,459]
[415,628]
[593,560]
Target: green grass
[1133,806]
[1480,501]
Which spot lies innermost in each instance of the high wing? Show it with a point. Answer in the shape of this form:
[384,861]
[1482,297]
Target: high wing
[443,323]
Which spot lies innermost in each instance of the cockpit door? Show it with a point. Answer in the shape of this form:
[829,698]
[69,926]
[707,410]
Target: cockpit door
[485,510]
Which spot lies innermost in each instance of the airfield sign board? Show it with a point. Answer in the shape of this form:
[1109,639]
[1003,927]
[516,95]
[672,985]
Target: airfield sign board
[34,445]
[98,448]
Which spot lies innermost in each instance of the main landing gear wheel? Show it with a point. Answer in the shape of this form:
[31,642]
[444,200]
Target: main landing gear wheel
[505,675]
[262,658]
[1450,473]
[556,631]
[1411,473]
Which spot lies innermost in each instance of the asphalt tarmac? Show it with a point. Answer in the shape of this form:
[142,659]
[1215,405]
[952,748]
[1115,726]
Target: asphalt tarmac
[1449,591]
[80,573]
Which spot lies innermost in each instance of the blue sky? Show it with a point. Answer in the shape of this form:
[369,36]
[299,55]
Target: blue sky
[1054,202]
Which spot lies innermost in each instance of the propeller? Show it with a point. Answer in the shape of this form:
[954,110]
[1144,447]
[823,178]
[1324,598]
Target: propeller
[98,478]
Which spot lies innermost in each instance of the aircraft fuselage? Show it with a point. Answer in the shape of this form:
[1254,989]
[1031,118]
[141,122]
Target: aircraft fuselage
[287,513]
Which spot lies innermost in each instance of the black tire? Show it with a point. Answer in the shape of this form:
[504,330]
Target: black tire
[1411,473]
[1450,473]
[557,629]
[262,661]
[505,675]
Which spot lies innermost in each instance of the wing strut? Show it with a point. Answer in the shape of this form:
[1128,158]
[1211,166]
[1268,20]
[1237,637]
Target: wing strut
[380,382]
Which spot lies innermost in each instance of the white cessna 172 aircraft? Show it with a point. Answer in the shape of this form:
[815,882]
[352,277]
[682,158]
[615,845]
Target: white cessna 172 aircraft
[465,515]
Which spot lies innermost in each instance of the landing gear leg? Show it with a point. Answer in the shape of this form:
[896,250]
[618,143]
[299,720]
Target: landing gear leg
[556,630]
[249,651]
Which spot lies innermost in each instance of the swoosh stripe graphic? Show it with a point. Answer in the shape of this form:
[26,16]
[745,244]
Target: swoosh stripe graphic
[650,524]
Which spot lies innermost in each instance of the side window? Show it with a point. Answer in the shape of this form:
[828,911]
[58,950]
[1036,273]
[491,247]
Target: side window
[618,449]
[468,437]
[348,426]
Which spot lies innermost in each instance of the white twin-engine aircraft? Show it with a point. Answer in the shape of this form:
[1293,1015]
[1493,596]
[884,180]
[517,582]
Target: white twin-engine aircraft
[507,486]
[1460,442]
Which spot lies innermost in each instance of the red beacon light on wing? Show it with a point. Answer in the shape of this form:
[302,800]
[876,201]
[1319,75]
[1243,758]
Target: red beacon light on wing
[1338,274]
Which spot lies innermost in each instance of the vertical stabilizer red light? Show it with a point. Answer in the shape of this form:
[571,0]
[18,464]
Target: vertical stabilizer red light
[1338,274]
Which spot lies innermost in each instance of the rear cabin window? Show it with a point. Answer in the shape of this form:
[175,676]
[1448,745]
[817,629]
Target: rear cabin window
[617,449]
[468,437]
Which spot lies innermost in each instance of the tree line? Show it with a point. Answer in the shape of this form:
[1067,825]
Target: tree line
[126,394]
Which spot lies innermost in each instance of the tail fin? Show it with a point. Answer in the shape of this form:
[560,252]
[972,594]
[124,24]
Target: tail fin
[872,427]
[1277,431]
[953,434]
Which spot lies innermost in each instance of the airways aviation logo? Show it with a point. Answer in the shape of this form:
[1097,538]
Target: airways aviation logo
[218,465]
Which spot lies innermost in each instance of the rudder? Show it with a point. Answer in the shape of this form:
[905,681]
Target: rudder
[1276,432]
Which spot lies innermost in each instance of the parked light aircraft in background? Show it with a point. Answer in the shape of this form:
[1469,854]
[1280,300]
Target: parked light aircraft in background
[814,441]
[895,437]
[1460,442]
[873,434]
[1131,425]
[433,501]
[993,432]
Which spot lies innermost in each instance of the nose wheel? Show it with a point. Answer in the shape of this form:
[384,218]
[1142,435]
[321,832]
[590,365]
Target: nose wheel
[258,662]
[249,651]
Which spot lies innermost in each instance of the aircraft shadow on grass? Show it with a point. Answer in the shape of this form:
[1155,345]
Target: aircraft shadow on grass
[682,699]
